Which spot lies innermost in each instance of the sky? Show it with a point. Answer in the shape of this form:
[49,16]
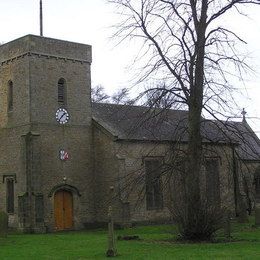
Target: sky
[90,21]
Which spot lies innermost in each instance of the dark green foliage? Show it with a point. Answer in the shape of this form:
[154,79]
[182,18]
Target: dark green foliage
[202,225]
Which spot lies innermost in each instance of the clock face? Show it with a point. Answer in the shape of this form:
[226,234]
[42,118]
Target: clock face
[62,116]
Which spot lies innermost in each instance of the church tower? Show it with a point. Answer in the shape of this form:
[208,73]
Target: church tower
[46,161]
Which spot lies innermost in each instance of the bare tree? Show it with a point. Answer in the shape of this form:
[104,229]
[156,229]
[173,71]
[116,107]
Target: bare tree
[159,96]
[121,97]
[98,94]
[185,46]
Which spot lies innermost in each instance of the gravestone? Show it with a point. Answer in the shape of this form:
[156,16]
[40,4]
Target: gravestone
[257,214]
[111,251]
[111,236]
[242,210]
[227,224]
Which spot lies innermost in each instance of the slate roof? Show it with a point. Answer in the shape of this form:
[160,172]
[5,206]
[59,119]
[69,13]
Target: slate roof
[249,143]
[140,123]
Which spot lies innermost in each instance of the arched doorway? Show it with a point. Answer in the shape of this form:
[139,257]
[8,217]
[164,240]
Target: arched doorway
[63,210]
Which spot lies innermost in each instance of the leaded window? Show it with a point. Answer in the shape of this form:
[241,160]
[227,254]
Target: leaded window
[62,93]
[154,196]
[10,96]
[257,182]
[10,195]
[212,181]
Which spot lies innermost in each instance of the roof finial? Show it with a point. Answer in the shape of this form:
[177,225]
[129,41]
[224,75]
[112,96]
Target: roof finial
[41,29]
[244,114]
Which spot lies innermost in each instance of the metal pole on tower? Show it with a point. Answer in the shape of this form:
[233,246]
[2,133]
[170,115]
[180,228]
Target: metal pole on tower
[41,27]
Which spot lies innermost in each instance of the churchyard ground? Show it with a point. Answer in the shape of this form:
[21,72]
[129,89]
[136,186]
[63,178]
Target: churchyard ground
[156,242]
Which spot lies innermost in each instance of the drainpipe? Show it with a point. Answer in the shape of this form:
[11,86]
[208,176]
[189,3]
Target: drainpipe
[235,177]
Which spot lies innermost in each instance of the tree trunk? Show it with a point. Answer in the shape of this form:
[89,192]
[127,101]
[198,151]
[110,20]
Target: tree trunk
[194,168]
[194,209]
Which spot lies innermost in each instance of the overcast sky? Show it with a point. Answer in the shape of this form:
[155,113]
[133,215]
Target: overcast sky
[89,21]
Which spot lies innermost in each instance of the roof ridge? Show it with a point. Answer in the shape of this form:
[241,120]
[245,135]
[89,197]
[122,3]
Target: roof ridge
[138,106]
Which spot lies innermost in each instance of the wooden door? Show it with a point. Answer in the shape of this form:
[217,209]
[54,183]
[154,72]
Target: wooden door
[63,210]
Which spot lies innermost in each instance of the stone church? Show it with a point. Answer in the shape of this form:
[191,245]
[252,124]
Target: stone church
[63,160]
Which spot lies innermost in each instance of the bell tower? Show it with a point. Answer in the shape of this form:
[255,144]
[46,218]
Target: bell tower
[40,76]
[35,66]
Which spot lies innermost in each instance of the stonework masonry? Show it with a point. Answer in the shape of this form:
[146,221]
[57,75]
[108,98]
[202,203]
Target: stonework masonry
[121,164]
[31,137]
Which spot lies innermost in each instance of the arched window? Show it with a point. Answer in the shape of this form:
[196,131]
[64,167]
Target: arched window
[62,95]
[154,195]
[10,96]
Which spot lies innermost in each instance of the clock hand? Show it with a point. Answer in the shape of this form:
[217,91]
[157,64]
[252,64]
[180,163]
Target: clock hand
[62,115]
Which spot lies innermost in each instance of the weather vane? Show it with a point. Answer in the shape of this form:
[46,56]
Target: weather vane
[41,29]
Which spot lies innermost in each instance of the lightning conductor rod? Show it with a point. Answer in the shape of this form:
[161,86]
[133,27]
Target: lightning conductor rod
[41,29]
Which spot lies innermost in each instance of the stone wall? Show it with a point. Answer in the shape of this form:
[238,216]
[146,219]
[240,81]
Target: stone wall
[35,65]
[12,165]
[16,71]
[121,164]
[246,186]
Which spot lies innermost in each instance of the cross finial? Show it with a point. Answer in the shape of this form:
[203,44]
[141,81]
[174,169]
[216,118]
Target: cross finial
[244,114]
[41,27]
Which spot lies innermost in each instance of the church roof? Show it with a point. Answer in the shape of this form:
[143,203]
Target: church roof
[249,143]
[138,123]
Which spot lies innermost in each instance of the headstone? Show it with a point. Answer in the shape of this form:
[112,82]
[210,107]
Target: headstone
[111,235]
[111,251]
[227,224]
[3,224]
[257,214]
[242,212]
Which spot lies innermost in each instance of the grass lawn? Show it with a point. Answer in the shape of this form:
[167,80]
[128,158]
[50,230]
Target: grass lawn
[155,243]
